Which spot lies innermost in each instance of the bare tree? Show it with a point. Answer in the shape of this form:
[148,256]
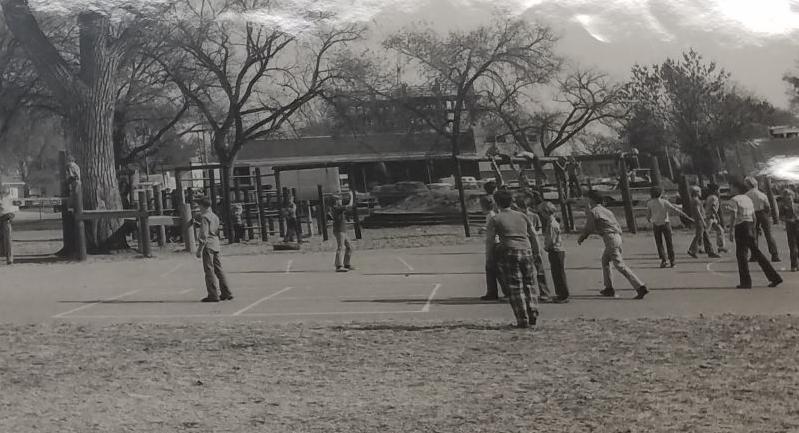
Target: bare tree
[459,66]
[247,78]
[84,90]
[582,99]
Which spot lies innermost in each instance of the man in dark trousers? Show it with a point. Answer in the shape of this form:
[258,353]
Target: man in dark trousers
[493,280]
[209,250]
[762,217]
[514,257]
[743,231]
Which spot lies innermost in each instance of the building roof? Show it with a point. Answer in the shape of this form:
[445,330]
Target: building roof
[347,149]
[11,180]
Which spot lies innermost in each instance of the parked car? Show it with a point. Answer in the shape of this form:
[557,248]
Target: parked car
[393,193]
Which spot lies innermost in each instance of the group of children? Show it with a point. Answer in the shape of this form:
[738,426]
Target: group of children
[208,239]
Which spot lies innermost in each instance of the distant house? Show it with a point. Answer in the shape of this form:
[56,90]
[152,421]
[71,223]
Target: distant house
[367,159]
[15,184]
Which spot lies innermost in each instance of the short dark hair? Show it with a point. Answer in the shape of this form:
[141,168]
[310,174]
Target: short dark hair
[503,198]
[655,192]
[203,201]
[490,186]
[738,184]
[712,188]
[594,196]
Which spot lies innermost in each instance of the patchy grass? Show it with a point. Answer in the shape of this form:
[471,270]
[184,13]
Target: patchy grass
[727,374]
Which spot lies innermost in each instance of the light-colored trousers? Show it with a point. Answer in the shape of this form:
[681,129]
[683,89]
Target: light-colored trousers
[613,254]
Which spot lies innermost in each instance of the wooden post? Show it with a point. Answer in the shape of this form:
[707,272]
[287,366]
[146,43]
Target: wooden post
[461,195]
[159,210]
[279,197]
[625,195]
[259,202]
[8,242]
[227,210]
[144,224]
[236,187]
[657,179]
[80,226]
[67,220]
[212,195]
[184,211]
[685,195]
[355,218]
[309,224]
[772,201]
[564,212]
[188,228]
[322,213]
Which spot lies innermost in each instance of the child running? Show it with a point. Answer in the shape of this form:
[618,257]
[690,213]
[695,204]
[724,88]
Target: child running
[657,213]
[601,221]
[515,257]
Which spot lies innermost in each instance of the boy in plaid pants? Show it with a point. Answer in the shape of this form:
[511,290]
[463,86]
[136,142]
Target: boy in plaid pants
[514,257]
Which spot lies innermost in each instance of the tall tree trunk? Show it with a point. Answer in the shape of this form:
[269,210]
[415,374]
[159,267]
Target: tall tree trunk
[88,96]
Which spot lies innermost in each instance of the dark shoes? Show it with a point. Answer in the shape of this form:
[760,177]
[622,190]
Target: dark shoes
[489,298]
[226,297]
[340,269]
[560,300]
[743,286]
[692,254]
[608,292]
[349,267]
[209,299]
[775,283]
[641,292]
[775,259]
[671,264]
[714,256]
[663,264]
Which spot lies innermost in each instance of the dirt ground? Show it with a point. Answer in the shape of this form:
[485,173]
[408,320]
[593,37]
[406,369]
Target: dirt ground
[726,374]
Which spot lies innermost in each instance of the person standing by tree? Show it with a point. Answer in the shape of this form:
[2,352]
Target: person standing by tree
[601,221]
[515,257]
[700,231]
[742,229]
[789,215]
[714,222]
[657,213]
[762,218]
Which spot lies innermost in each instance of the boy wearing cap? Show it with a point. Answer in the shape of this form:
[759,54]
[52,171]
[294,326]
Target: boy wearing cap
[209,250]
[657,213]
[600,220]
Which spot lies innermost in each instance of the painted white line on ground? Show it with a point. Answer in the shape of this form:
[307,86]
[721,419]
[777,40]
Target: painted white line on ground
[288,266]
[710,269]
[426,307]
[264,299]
[169,272]
[83,307]
[410,268]
[183,292]
[205,316]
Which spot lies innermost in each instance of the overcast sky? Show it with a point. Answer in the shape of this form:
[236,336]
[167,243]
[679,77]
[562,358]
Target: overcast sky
[757,41]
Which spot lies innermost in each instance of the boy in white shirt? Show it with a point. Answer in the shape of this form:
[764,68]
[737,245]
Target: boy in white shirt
[657,213]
